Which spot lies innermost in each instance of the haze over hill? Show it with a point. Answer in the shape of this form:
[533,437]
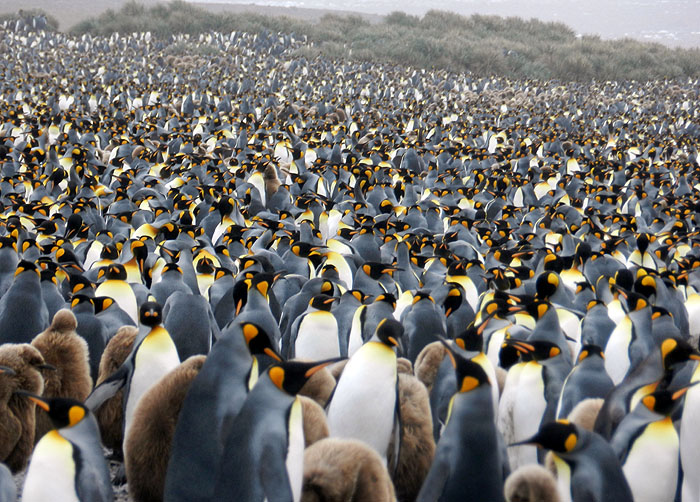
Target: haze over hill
[671,22]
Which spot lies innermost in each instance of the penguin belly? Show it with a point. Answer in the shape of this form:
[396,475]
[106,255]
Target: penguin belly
[651,467]
[528,409]
[493,346]
[51,473]
[364,401]
[563,478]
[317,338]
[295,449]
[122,293]
[506,404]
[355,337]
[690,442]
[485,363]
[156,356]
[617,357]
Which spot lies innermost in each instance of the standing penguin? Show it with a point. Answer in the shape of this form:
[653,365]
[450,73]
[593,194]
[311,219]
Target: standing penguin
[22,365]
[587,468]
[365,405]
[116,287]
[468,463]
[67,463]
[217,392]
[264,454]
[647,444]
[67,352]
[315,336]
[23,313]
[153,355]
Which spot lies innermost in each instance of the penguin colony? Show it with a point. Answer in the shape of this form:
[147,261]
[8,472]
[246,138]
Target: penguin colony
[315,280]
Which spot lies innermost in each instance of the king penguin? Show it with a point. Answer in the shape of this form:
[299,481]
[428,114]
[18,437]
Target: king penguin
[469,459]
[647,444]
[67,463]
[364,405]
[217,392]
[153,355]
[263,456]
[315,336]
[586,465]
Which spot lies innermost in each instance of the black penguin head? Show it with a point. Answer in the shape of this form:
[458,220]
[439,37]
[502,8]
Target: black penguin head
[375,270]
[26,266]
[387,298]
[470,375]
[471,339]
[115,271]
[590,350]
[454,299]
[258,341]
[290,376]
[389,332]
[151,314]
[322,302]
[664,402]
[561,437]
[674,351]
[546,284]
[63,412]
[261,282]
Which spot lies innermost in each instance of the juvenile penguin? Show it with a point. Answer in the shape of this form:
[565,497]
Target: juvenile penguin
[587,468]
[66,351]
[149,441]
[110,416]
[67,463]
[531,483]
[22,371]
[264,453]
[468,463]
[345,470]
[365,405]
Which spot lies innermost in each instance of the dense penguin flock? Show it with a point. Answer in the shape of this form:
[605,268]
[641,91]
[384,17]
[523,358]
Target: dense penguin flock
[254,276]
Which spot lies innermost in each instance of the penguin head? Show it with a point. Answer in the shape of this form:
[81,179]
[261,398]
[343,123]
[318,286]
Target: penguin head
[471,339]
[151,314]
[389,332]
[470,375]
[674,351]
[258,341]
[590,350]
[63,412]
[260,282]
[290,376]
[26,266]
[664,402]
[322,302]
[547,284]
[115,271]
[561,437]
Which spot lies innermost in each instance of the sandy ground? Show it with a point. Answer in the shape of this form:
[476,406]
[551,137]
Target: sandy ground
[70,12]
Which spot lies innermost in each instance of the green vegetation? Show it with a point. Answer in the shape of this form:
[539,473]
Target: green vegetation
[481,44]
[52,23]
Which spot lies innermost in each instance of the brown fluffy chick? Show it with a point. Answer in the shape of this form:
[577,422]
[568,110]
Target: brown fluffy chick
[147,447]
[345,470]
[111,414]
[68,352]
[17,416]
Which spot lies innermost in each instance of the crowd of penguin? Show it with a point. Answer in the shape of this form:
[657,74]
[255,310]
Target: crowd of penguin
[249,276]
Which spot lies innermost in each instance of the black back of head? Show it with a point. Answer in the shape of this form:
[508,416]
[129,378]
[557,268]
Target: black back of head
[151,314]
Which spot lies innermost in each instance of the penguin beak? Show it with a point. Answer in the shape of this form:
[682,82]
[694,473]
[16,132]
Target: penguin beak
[6,370]
[322,364]
[532,440]
[681,392]
[271,353]
[47,366]
[34,398]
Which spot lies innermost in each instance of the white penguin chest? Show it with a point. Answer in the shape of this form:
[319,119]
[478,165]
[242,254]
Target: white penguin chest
[563,478]
[651,467]
[617,358]
[528,409]
[364,402]
[295,449]
[317,337]
[51,473]
[690,441]
[156,357]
